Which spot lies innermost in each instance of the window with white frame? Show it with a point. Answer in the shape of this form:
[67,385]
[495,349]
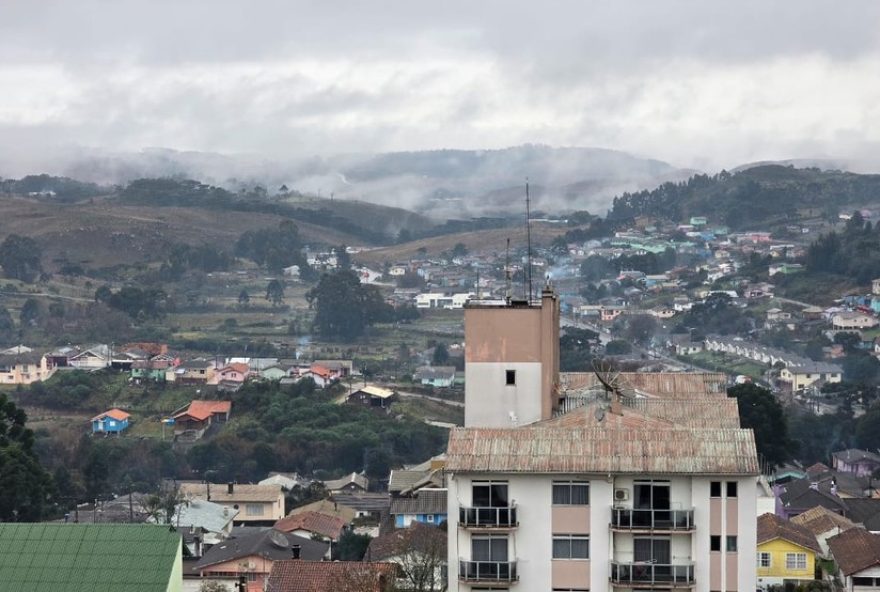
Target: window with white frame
[795,561]
[254,509]
[569,546]
[571,493]
[763,559]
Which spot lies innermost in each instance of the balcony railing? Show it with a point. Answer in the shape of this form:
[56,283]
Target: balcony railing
[487,517]
[638,519]
[651,573]
[487,571]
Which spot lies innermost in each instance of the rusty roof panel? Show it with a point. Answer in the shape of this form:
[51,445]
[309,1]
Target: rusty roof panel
[656,384]
[721,451]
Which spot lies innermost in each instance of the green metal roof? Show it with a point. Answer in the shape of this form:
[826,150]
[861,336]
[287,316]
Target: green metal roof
[87,557]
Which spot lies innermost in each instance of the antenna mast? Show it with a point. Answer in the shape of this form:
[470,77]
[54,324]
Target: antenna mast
[507,271]
[528,274]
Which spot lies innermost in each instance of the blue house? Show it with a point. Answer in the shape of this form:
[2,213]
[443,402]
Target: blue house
[427,506]
[114,421]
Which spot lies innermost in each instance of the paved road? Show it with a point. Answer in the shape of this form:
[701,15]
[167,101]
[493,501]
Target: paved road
[406,395]
[45,295]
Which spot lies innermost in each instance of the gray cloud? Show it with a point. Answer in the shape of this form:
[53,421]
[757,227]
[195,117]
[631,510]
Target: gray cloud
[703,84]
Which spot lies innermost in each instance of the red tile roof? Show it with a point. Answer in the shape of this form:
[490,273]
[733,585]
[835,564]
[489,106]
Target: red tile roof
[117,414]
[296,575]
[855,550]
[202,410]
[772,527]
[321,371]
[239,367]
[316,522]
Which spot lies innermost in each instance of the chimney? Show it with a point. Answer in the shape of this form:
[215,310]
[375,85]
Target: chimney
[230,488]
[295,550]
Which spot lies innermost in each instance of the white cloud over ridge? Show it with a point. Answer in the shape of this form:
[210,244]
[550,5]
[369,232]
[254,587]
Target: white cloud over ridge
[698,84]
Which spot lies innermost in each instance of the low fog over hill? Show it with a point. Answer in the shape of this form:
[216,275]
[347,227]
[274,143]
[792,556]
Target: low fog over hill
[441,183]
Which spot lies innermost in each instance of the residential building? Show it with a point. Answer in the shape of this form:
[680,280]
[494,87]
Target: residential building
[555,483]
[191,372]
[252,556]
[214,521]
[47,557]
[853,321]
[425,506]
[809,374]
[511,361]
[312,524]
[349,483]
[823,524]
[857,554]
[114,421]
[338,576]
[786,552]
[859,462]
[198,416]
[322,376]
[435,376]
[255,504]
[373,396]
[21,365]
[286,480]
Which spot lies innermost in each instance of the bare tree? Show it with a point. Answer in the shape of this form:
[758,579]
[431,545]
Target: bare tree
[421,554]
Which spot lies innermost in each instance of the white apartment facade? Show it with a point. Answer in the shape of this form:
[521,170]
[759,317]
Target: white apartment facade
[622,499]
[573,530]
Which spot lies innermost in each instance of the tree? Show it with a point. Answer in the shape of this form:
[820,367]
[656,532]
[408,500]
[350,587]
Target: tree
[421,554]
[868,428]
[617,347]
[641,328]
[352,546]
[275,292]
[25,487]
[213,586]
[760,411]
[103,294]
[459,250]
[343,259]
[576,350]
[7,325]
[441,355]
[20,258]
[30,312]
[345,307]
[243,297]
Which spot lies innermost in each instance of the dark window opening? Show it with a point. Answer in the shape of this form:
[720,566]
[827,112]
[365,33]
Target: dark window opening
[715,489]
[715,542]
[510,377]
[731,489]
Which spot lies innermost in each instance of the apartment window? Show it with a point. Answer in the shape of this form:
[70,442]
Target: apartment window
[763,559]
[490,494]
[795,561]
[489,548]
[430,517]
[731,544]
[254,509]
[715,489]
[731,489]
[510,377]
[566,546]
[715,543]
[571,493]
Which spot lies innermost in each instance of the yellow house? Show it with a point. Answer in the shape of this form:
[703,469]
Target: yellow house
[21,365]
[786,552]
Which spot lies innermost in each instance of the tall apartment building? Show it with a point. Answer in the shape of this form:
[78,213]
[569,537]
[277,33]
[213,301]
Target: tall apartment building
[630,490]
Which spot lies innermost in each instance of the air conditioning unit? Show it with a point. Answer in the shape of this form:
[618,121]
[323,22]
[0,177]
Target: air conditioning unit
[621,495]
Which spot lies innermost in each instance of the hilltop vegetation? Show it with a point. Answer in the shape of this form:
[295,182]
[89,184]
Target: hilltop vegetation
[757,197]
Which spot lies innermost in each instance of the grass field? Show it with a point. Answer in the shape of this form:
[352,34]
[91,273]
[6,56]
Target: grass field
[726,363]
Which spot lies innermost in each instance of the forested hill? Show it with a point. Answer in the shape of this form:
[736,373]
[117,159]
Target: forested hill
[762,196]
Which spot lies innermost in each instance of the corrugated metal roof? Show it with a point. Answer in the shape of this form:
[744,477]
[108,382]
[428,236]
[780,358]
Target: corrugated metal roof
[716,451]
[657,384]
[697,412]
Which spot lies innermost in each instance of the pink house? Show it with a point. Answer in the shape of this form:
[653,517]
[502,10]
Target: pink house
[861,463]
[233,374]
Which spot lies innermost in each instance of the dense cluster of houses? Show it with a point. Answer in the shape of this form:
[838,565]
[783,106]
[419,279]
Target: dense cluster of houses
[154,362]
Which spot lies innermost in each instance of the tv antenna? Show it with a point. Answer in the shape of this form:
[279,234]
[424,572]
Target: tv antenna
[609,378]
[527,277]
[507,271]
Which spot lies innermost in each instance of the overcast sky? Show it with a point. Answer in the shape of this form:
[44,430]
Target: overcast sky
[697,83]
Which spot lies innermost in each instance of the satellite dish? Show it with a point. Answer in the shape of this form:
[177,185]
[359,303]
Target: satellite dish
[607,376]
[279,539]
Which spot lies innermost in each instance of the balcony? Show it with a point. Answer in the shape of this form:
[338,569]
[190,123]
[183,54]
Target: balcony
[652,520]
[656,575]
[487,518]
[487,571]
